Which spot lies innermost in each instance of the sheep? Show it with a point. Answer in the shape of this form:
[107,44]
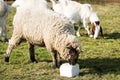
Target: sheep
[4,10]
[79,13]
[20,3]
[39,25]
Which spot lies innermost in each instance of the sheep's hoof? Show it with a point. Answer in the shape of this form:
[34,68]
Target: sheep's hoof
[34,61]
[6,59]
[55,66]
[78,34]
[59,64]
[91,36]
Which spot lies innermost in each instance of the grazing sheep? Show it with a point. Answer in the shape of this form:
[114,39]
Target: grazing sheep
[39,25]
[78,13]
[4,9]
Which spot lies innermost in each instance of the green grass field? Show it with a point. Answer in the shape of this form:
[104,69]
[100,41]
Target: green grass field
[100,59]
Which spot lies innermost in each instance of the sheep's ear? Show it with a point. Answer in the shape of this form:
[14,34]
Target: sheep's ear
[73,48]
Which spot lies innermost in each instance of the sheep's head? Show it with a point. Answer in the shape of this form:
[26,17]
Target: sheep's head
[71,53]
[96,28]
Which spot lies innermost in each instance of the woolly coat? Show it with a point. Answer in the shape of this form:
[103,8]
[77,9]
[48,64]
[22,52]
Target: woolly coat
[41,26]
[4,9]
[77,13]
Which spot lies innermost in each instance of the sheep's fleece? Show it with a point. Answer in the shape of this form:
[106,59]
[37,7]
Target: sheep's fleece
[40,25]
[4,9]
[79,13]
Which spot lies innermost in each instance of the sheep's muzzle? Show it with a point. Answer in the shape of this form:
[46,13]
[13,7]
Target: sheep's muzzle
[72,62]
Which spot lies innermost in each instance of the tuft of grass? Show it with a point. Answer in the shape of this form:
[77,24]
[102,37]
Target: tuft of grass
[99,60]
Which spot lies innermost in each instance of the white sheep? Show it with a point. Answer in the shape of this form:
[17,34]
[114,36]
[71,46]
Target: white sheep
[78,13]
[39,25]
[4,9]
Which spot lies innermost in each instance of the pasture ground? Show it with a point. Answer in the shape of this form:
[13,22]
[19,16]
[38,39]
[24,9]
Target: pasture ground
[100,59]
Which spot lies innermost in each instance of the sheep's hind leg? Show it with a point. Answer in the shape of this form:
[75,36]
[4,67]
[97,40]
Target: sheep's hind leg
[12,43]
[5,39]
[32,52]
[85,24]
[3,34]
[78,30]
[8,52]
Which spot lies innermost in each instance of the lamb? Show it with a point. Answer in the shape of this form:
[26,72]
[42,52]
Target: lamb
[4,10]
[79,13]
[39,25]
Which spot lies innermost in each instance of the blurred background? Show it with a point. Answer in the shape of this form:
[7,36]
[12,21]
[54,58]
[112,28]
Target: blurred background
[89,1]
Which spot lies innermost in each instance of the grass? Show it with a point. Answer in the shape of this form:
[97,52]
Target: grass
[100,59]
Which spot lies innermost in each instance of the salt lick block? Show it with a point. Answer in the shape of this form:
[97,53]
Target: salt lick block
[67,70]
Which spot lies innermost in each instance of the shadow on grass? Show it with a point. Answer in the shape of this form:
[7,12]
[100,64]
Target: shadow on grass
[114,35]
[45,60]
[100,66]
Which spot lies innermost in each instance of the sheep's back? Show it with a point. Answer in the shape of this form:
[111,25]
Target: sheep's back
[40,26]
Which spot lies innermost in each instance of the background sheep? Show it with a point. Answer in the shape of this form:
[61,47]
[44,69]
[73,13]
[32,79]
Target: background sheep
[41,26]
[4,9]
[78,13]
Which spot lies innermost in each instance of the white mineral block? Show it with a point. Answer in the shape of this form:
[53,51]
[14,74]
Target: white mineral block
[67,70]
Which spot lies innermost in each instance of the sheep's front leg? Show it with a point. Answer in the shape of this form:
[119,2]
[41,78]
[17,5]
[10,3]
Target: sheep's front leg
[78,31]
[54,57]
[85,24]
[59,60]
[32,52]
